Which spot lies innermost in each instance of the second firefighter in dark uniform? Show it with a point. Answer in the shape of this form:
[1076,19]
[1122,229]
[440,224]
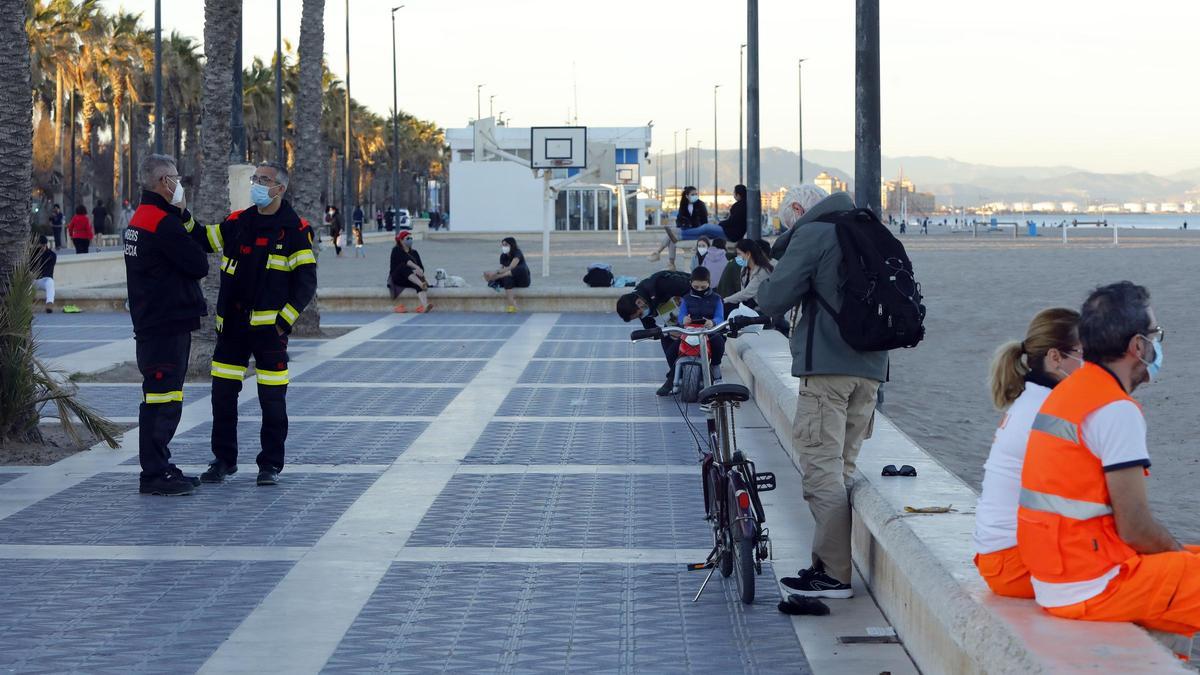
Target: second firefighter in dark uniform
[268,276]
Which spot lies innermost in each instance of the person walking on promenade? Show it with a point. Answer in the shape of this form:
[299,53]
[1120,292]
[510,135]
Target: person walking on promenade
[691,223]
[358,216]
[1085,528]
[658,295]
[100,217]
[43,266]
[359,250]
[735,225]
[835,410]
[1022,375]
[513,272]
[163,269]
[335,230]
[379,220]
[56,226]
[80,230]
[407,271]
[269,275]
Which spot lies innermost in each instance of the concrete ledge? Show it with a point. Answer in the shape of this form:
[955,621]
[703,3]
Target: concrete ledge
[90,269]
[475,299]
[919,567]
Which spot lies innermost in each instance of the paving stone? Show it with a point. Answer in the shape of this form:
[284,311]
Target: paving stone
[88,319]
[90,616]
[122,400]
[6,477]
[467,318]
[430,349]
[381,401]
[567,511]
[645,443]
[308,442]
[588,319]
[609,332]
[468,332]
[567,349]
[350,318]
[49,350]
[583,402]
[106,509]
[557,617]
[401,371]
[591,372]
[93,333]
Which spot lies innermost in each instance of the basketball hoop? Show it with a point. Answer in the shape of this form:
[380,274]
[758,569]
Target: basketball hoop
[561,162]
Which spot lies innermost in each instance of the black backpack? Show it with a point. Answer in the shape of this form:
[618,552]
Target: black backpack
[881,299]
[598,275]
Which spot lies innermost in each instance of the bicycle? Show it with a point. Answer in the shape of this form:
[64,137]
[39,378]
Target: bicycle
[731,483]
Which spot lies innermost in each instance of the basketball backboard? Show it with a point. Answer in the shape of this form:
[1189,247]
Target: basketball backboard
[558,147]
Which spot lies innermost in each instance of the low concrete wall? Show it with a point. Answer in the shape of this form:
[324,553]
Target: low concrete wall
[919,565]
[90,269]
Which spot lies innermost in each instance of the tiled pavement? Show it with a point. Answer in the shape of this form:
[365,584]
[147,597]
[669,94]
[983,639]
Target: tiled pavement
[465,493]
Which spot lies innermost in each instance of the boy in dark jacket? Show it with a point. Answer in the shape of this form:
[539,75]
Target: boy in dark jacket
[703,305]
[657,295]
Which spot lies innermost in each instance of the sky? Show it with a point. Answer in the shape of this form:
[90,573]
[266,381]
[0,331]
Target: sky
[1089,84]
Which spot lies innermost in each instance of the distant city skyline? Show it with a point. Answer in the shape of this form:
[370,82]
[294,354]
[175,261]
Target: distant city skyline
[1022,84]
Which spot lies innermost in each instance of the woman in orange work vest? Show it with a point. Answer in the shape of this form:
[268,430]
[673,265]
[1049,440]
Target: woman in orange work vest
[1022,375]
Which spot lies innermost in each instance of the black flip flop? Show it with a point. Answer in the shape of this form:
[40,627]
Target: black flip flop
[799,604]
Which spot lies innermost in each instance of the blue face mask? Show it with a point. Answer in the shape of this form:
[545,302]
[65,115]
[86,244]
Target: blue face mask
[693,198]
[260,195]
[1153,368]
[741,262]
[646,313]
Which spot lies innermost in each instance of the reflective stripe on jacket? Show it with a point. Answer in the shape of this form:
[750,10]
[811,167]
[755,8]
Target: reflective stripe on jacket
[1066,532]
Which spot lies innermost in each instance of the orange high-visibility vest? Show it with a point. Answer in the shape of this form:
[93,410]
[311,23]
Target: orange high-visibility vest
[1065,527]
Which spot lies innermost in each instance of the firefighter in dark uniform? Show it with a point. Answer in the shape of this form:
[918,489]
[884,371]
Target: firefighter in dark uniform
[268,276]
[163,268]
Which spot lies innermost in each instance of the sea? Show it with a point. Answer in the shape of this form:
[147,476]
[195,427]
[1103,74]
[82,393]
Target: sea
[1153,221]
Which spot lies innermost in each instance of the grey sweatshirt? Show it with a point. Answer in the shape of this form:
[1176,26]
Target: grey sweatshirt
[810,260]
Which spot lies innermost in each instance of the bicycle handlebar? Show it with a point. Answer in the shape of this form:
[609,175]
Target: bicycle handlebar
[733,325]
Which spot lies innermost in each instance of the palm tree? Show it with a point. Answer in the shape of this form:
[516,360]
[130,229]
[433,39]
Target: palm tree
[16,136]
[308,170]
[222,25]
[126,50]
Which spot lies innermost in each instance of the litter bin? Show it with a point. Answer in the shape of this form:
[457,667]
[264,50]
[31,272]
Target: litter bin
[1032,228]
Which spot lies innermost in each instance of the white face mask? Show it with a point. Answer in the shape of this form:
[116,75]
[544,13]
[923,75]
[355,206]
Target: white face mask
[505,250]
[701,251]
[177,195]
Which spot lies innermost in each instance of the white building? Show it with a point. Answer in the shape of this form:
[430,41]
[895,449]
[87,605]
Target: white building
[497,195]
[1070,207]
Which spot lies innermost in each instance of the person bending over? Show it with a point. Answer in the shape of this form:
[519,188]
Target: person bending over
[658,295]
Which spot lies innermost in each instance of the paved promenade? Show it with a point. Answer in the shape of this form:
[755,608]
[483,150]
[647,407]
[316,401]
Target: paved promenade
[466,493]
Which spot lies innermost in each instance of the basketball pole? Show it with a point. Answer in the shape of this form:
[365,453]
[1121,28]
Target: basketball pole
[547,206]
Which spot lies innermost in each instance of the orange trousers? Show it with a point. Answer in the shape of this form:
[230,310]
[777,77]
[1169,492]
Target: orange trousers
[1158,592]
[1005,573]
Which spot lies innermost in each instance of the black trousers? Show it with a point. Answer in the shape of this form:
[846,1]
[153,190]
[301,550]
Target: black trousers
[163,362]
[81,245]
[236,343]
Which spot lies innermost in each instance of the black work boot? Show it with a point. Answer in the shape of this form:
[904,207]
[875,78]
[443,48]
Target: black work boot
[217,471]
[165,484]
[668,386]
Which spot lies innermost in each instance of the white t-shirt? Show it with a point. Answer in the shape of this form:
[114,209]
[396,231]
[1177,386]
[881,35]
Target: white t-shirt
[996,510]
[1116,434]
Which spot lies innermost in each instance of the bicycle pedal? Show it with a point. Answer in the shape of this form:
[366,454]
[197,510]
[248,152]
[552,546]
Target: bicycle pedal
[693,567]
[765,481]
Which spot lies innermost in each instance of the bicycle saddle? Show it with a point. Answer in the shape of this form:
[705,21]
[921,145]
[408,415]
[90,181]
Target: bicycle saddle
[719,393]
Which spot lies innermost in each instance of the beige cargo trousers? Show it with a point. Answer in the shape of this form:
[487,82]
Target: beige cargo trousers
[834,415]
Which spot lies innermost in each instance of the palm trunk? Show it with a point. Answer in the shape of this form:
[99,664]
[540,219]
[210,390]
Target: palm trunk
[118,105]
[308,171]
[87,192]
[59,99]
[222,24]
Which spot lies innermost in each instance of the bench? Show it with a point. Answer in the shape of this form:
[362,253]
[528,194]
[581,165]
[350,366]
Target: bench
[919,566]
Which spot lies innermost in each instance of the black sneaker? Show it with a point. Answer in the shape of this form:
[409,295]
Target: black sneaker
[217,471]
[814,583]
[668,386]
[268,477]
[178,473]
[165,485]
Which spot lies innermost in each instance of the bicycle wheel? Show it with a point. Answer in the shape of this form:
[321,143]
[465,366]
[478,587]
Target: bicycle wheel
[726,559]
[744,553]
[690,382]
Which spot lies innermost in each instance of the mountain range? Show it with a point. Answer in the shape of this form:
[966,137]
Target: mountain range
[958,183]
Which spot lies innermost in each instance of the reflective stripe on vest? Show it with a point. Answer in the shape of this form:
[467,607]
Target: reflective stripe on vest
[278,262]
[289,314]
[1066,507]
[263,318]
[228,265]
[215,240]
[1056,426]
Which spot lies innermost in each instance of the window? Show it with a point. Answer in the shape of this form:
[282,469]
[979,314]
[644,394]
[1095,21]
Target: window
[627,156]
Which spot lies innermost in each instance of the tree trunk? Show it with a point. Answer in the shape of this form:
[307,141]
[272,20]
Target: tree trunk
[222,20]
[308,171]
[59,100]
[118,107]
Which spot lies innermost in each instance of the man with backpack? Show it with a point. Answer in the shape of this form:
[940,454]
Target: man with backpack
[839,381]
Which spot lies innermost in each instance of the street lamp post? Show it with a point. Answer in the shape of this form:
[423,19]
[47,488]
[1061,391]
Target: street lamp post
[741,115]
[687,157]
[478,106]
[867,133]
[348,196]
[753,179]
[675,160]
[800,112]
[280,157]
[716,174]
[158,142]
[395,117]
[492,105]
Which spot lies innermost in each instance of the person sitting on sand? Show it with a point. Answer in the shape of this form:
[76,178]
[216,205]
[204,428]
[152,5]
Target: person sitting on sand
[407,271]
[512,273]
[1023,373]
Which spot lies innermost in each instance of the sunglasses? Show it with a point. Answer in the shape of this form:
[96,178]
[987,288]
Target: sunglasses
[905,470]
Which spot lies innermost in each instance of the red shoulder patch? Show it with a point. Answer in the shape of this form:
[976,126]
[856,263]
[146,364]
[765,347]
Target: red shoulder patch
[235,215]
[303,224]
[147,217]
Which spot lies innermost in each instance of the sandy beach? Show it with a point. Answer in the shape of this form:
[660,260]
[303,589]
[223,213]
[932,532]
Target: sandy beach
[982,292]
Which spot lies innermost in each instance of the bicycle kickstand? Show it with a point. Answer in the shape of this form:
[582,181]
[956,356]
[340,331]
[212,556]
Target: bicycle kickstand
[712,567]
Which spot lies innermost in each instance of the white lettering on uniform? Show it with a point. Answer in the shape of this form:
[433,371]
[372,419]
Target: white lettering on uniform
[131,234]
[131,250]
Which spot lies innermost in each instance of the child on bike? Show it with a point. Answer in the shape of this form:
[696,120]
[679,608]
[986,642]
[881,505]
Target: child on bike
[702,306]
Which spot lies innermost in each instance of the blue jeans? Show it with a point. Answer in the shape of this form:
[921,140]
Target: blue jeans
[706,230]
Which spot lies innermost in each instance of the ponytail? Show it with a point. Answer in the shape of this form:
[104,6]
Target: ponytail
[1008,374]
[1055,328]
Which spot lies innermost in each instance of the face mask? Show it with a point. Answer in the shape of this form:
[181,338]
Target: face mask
[700,290]
[692,199]
[646,313]
[260,195]
[1073,358]
[177,195]
[1153,368]
[741,262]
[701,250]
[505,250]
